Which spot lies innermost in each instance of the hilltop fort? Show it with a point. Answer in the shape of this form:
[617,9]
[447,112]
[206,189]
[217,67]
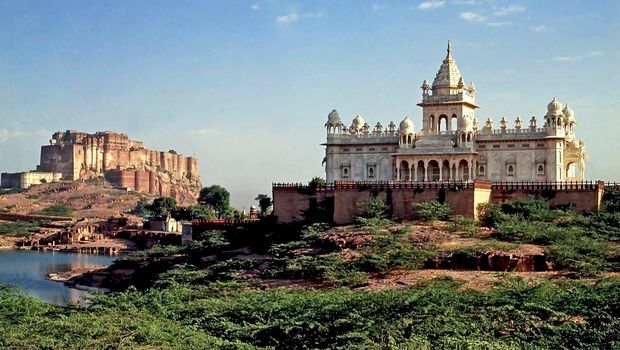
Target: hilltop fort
[75,155]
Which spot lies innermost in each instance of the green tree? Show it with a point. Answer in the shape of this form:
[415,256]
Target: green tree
[317,182]
[142,207]
[163,206]
[192,212]
[264,202]
[217,197]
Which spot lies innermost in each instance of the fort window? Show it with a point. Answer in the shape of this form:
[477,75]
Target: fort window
[345,172]
[359,149]
[371,172]
[540,170]
[345,149]
[540,145]
[482,146]
[511,170]
[371,149]
[525,145]
[511,146]
[384,148]
[481,171]
[495,146]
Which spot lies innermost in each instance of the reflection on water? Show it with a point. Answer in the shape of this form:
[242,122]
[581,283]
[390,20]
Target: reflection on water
[28,269]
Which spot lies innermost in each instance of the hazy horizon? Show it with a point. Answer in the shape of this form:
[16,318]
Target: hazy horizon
[247,88]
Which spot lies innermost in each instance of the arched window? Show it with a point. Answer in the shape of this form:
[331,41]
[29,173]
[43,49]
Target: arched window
[540,169]
[511,170]
[453,122]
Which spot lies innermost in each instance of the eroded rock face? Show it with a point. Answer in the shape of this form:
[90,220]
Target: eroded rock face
[124,162]
[490,261]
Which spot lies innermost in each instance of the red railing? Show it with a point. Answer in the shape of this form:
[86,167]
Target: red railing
[501,185]
[224,222]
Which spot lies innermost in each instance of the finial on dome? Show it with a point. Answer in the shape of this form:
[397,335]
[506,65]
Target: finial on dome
[449,54]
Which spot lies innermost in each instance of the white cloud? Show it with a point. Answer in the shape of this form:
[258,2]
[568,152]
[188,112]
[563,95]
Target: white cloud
[377,7]
[498,24]
[465,2]
[255,7]
[427,5]
[205,132]
[286,19]
[541,29]
[313,15]
[508,10]
[577,58]
[472,17]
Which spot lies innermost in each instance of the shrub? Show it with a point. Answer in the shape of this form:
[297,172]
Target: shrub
[56,210]
[17,229]
[374,207]
[519,230]
[427,211]
[466,226]
[582,254]
[611,200]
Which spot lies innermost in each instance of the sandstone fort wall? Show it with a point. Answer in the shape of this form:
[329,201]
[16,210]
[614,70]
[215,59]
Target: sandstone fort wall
[123,162]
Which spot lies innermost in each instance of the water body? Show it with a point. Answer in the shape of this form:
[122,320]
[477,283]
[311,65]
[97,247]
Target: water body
[28,269]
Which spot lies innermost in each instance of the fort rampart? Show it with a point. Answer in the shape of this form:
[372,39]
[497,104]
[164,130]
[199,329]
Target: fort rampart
[124,162]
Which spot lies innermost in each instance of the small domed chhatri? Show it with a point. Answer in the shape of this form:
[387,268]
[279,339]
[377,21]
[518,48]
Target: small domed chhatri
[554,107]
[358,123]
[449,145]
[569,114]
[334,118]
[406,126]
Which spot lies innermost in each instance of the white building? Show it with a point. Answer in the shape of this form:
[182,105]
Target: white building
[452,145]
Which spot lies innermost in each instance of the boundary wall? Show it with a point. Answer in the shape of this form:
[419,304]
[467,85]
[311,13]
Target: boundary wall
[342,198]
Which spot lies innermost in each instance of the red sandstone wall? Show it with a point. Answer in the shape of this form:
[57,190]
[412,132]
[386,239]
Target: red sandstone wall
[142,181]
[580,200]
[290,204]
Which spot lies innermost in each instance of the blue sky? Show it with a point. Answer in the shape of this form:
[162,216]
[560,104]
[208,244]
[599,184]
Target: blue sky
[246,86]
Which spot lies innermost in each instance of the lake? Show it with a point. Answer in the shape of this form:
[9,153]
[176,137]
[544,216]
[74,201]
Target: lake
[28,269]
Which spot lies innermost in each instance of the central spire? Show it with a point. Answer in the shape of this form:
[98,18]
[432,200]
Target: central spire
[448,76]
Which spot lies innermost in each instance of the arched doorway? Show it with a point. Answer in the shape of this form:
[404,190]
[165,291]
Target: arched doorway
[420,171]
[433,170]
[445,170]
[463,170]
[404,170]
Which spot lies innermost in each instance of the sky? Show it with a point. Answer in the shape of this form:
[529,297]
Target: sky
[246,86]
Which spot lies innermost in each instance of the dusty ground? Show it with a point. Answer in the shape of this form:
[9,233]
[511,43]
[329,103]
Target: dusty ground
[90,200]
[480,280]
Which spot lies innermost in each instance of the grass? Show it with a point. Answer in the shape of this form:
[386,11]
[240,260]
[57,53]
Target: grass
[18,229]
[56,210]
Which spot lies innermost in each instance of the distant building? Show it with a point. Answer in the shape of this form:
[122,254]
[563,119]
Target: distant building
[123,162]
[452,145]
[23,180]
[168,225]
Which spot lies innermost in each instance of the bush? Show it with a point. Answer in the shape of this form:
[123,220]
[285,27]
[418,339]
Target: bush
[466,226]
[17,229]
[611,200]
[537,232]
[427,211]
[56,210]
[374,207]
[582,254]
